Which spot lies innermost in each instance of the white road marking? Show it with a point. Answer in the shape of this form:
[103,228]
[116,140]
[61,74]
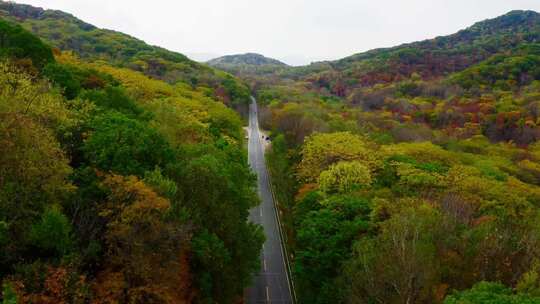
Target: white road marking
[264,264]
[267,294]
[260,209]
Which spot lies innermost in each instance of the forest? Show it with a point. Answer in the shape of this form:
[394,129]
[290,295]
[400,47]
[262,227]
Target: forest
[116,187]
[411,174]
[403,175]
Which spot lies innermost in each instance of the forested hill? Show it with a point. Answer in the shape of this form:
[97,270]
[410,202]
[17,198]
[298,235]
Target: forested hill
[474,43]
[245,59]
[248,65]
[67,33]
[482,79]
[412,174]
[428,59]
[116,187]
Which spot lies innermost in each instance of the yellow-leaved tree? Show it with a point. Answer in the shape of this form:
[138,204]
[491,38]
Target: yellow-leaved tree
[146,247]
[344,177]
[321,150]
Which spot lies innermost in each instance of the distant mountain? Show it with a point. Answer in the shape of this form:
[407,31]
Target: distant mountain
[67,33]
[248,65]
[245,59]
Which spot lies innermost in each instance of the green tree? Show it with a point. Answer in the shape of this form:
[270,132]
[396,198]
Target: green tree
[490,293]
[124,145]
[63,76]
[211,256]
[8,294]
[323,244]
[53,233]
[15,42]
[113,98]
[216,187]
[530,281]
[403,256]
[161,184]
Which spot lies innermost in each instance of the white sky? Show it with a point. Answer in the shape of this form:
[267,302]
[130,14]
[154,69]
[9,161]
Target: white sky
[295,31]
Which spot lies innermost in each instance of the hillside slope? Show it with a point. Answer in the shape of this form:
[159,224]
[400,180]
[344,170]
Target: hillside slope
[67,33]
[428,59]
[483,79]
[399,171]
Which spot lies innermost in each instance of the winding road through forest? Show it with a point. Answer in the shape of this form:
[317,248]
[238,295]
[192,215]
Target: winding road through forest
[271,285]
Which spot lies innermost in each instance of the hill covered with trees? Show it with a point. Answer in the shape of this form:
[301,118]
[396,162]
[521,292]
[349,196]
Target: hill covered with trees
[404,175]
[428,59]
[67,33]
[245,59]
[411,174]
[117,187]
[248,65]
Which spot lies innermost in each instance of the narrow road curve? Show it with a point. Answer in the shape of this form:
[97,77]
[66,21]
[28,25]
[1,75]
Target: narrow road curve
[271,285]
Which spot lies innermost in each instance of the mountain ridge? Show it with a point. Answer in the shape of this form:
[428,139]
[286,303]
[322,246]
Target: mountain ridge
[429,58]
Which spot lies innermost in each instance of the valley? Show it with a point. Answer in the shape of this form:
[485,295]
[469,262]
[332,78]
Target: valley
[408,174]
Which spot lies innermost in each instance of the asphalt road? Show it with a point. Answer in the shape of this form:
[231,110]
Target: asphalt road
[271,284]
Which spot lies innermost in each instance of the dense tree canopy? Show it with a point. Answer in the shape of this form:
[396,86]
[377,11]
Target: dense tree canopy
[118,188]
[439,145]
[322,150]
[17,43]
[344,177]
[403,175]
[485,292]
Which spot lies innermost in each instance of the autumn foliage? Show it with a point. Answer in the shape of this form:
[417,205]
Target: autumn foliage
[104,176]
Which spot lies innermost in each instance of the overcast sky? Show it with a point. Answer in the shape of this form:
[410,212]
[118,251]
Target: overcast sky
[295,31]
